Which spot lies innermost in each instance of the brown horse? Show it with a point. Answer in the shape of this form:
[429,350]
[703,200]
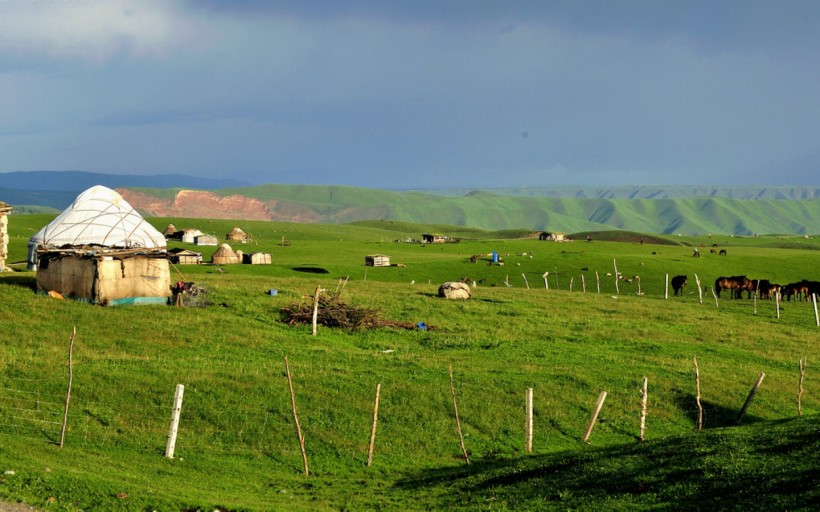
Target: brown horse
[735,284]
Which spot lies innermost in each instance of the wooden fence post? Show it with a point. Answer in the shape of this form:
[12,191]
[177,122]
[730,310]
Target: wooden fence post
[529,420]
[595,413]
[546,283]
[697,396]
[714,295]
[458,421]
[816,316]
[571,280]
[525,280]
[174,428]
[644,399]
[296,419]
[666,288]
[598,281]
[757,287]
[750,397]
[316,308]
[802,367]
[700,290]
[70,380]
[615,264]
[777,304]
[373,430]
[583,284]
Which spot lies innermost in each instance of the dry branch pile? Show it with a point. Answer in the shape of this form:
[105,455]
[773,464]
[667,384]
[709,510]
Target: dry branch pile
[334,312]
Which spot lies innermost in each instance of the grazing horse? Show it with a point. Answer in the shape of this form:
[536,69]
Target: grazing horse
[712,251]
[735,284]
[722,252]
[801,290]
[678,282]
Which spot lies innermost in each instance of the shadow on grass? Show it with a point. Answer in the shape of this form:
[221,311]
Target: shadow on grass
[29,281]
[714,416]
[772,466]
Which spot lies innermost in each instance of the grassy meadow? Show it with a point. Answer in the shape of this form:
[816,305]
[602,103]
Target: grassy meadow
[237,447]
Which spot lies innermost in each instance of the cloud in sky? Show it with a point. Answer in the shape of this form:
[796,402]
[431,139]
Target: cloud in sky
[415,94]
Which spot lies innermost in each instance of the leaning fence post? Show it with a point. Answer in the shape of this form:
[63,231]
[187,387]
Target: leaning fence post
[595,413]
[174,428]
[458,421]
[583,284]
[373,430]
[644,396]
[697,396]
[750,397]
[700,290]
[715,296]
[598,281]
[296,419]
[525,280]
[546,283]
[802,366]
[816,316]
[529,420]
[615,264]
[70,380]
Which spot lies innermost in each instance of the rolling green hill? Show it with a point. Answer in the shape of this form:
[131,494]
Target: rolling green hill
[494,211]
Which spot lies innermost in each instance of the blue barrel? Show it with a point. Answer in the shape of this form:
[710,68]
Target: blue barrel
[495,256]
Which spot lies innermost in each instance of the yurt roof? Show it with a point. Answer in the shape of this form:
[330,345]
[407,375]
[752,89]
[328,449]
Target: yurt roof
[224,251]
[171,229]
[4,207]
[99,216]
[236,231]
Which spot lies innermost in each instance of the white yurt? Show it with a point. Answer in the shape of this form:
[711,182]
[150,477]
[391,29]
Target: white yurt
[101,250]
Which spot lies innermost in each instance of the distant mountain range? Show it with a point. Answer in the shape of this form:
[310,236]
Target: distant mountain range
[668,210]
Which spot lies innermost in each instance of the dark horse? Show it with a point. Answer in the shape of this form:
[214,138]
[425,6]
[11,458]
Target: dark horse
[735,284]
[678,282]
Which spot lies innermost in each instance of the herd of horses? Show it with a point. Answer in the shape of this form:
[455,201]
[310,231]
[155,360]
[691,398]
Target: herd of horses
[736,285]
[763,288]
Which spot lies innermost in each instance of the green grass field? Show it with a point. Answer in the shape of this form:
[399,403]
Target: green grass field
[237,447]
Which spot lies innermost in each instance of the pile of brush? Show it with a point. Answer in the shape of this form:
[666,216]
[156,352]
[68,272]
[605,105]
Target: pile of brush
[333,311]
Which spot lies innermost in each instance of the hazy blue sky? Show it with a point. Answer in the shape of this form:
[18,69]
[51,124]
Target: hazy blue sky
[408,94]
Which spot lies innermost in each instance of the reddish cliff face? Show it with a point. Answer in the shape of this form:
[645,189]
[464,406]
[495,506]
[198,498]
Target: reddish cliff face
[208,205]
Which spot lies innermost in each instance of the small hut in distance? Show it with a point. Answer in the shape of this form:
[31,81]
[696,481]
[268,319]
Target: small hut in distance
[256,258]
[181,256]
[431,238]
[189,235]
[377,260]
[237,235]
[206,240]
[552,236]
[225,256]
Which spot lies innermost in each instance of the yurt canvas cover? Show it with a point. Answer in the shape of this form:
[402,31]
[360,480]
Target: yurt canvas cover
[101,250]
[99,216]
[237,235]
[224,256]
